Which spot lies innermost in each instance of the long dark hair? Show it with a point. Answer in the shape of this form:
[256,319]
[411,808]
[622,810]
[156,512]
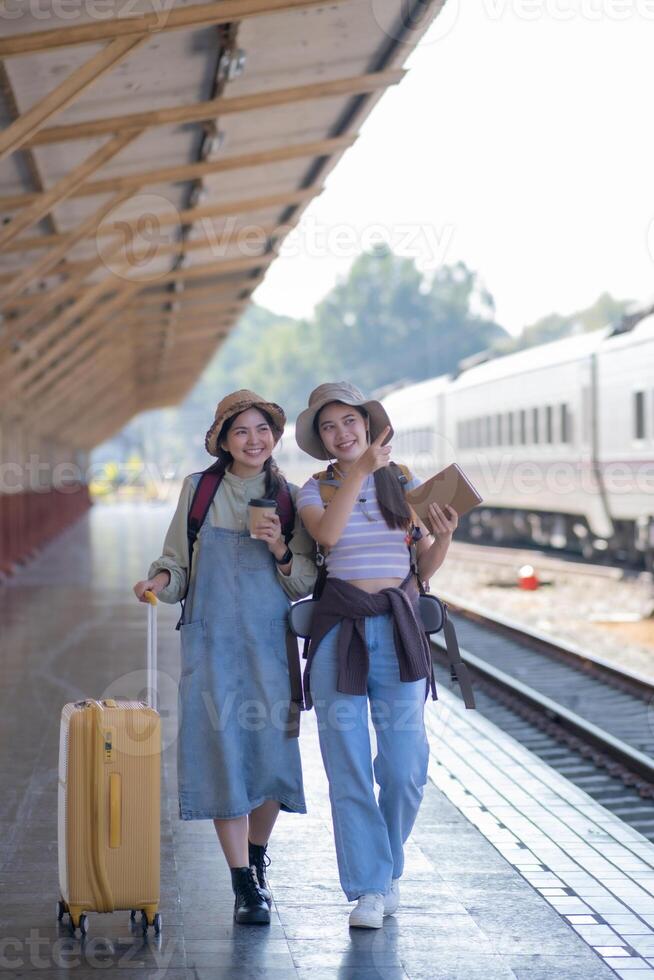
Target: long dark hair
[274,475]
[390,495]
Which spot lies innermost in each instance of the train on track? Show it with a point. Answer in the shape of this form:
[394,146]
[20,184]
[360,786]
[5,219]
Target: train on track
[558,439]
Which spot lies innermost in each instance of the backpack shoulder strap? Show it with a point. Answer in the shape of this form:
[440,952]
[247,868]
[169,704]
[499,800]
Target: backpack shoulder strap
[205,491]
[327,484]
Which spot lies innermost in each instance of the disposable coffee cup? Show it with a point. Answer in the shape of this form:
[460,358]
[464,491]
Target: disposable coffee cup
[257,509]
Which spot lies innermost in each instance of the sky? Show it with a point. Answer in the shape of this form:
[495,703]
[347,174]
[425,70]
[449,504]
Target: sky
[520,142]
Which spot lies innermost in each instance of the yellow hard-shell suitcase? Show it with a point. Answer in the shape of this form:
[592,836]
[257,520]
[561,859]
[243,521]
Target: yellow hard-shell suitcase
[109,803]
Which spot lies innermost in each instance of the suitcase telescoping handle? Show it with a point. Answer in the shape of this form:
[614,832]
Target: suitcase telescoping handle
[152,649]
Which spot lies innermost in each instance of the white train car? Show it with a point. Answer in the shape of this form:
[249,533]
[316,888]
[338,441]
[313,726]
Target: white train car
[625,434]
[418,416]
[559,440]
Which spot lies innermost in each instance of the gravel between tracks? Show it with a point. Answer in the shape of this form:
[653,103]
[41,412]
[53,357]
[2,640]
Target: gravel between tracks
[565,609]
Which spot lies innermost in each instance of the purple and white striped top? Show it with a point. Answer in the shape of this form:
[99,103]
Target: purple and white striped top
[368,548]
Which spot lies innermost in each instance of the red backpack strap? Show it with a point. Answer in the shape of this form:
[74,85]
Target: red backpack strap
[203,495]
[205,491]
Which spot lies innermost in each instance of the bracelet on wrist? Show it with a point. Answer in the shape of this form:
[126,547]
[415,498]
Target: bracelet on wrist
[286,557]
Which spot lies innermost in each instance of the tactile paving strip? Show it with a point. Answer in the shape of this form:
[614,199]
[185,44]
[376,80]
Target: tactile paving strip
[593,869]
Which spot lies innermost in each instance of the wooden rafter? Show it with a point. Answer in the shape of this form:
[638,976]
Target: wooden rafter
[100,416]
[51,340]
[51,299]
[27,156]
[54,340]
[175,19]
[179,317]
[148,331]
[173,248]
[64,94]
[222,106]
[189,171]
[56,405]
[54,255]
[36,205]
[184,300]
[188,216]
[180,340]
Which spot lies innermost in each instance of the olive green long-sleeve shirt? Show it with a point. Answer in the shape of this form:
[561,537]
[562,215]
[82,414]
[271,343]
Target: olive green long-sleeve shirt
[229,510]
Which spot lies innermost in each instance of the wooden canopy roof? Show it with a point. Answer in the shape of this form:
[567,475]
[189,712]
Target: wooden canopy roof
[153,156]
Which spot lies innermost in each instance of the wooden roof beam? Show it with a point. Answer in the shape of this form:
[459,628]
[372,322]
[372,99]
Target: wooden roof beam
[36,205]
[221,106]
[28,123]
[179,317]
[176,247]
[184,300]
[55,404]
[188,216]
[54,255]
[51,336]
[175,19]
[166,175]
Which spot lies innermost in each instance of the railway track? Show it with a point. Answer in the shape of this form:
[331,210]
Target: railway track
[587,718]
[548,560]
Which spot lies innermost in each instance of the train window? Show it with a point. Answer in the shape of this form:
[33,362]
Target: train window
[489,431]
[565,423]
[478,431]
[523,426]
[498,430]
[549,427]
[639,414]
[535,436]
[509,421]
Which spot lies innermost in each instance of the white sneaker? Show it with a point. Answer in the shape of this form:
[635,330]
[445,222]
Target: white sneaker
[392,898]
[369,912]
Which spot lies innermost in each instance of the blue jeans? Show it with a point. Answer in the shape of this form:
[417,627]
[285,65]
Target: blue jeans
[370,834]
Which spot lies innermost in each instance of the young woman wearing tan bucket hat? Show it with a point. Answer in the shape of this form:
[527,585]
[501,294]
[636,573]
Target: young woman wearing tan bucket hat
[234,768]
[367,645]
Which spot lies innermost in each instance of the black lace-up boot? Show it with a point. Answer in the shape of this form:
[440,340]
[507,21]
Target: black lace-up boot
[250,907]
[259,860]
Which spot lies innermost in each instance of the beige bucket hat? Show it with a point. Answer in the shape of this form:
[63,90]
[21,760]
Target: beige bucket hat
[234,404]
[336,391]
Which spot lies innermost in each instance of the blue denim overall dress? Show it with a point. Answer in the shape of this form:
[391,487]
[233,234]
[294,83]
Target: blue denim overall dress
[234,751]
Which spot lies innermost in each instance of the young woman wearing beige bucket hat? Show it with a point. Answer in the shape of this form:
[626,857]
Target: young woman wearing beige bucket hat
[367,645]
[234,768]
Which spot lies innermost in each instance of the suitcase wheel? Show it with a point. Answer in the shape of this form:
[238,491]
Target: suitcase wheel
[156,921]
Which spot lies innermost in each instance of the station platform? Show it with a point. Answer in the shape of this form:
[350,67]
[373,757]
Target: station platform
[511,871]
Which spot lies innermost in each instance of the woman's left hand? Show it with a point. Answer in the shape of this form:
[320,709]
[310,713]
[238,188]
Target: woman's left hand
[443,520]
[269,529]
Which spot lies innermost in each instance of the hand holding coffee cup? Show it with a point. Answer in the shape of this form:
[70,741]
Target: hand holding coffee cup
[269,529]
[258,510]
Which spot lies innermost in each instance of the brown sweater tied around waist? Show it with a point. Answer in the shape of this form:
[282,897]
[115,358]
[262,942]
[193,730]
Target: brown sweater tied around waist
[344,603]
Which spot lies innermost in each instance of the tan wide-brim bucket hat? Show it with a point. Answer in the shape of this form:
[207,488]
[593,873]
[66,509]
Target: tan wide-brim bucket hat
[234,404]
[336,391]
